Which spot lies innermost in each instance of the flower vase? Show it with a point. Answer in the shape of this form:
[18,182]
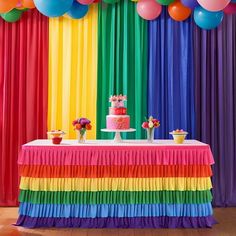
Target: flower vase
[150,135]
[81,136]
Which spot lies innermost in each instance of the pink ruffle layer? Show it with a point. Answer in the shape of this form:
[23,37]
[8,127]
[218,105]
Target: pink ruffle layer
[120,155]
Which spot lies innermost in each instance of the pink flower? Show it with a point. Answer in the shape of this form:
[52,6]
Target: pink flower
[112,98]
[145,125]
[75,122]
[118,98]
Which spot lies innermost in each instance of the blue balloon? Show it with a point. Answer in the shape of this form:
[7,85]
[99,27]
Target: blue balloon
[207,19]
[190,3]
[53,8]
[233,1]
[77,10]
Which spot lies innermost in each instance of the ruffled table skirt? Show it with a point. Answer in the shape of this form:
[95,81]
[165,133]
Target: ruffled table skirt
[106,186]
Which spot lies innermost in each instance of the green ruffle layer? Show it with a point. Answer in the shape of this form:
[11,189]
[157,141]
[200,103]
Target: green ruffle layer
[115,197]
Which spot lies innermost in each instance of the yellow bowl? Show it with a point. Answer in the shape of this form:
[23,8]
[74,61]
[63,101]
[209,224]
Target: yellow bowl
[179,137]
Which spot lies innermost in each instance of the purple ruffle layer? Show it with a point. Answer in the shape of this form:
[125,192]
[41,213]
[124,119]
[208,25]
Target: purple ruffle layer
[135,222]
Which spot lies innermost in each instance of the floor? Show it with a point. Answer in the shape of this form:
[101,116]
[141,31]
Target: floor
[225,216]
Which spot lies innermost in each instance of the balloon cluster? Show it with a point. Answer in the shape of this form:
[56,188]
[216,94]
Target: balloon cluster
[11,10]
[208,14]
[76,9]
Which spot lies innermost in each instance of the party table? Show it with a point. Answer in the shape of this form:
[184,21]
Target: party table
[102,184]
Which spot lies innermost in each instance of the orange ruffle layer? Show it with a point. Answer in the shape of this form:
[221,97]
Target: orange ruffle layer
[131,171]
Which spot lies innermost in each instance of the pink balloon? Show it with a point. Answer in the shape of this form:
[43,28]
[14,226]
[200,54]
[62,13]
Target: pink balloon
[149,9]
[214,5]
[230,9]
[85,2]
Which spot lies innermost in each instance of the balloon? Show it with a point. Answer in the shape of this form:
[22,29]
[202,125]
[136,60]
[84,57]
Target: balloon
[234,1]
[165,2]
[7,5]
[190,3]
[230,9]
[213,5]
[178,11]
[149,9]
[85,2]
[12,16]
[19,4]
[207,19]
[77,10]
[53,8]
[96,1]
[111,1]
[28,4]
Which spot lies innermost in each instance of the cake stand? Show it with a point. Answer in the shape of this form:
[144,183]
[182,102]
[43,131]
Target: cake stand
[117,138]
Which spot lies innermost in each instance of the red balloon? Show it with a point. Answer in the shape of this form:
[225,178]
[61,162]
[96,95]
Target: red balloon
[178,11]
[230,9]
[85,2]
[149,9]
[96,1]
[7,5]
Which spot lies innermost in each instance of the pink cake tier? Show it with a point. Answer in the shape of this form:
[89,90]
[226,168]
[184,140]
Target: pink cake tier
[117,111]
[118,122]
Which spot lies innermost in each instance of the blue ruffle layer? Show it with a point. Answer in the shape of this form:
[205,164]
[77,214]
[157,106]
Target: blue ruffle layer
[115,210]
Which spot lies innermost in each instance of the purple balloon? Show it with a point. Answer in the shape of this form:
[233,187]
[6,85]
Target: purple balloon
[190,3]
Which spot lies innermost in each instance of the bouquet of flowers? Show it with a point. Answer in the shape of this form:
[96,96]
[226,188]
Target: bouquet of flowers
[82,125]
[150,124]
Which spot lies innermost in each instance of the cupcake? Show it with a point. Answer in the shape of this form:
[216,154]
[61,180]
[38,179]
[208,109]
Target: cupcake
[179,135]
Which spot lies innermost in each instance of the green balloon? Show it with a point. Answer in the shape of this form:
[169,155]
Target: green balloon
[24,9]
[165,2]
[12,16]
[111,1]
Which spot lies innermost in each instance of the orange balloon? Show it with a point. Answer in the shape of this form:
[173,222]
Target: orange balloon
[28,3]
[178,11]
[7,5]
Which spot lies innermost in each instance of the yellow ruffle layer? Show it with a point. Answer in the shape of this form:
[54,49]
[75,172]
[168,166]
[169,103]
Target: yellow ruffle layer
[114,184]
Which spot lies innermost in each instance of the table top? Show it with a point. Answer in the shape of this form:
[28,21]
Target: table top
[74,142]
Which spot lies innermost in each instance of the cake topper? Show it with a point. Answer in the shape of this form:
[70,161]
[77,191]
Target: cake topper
[117,100]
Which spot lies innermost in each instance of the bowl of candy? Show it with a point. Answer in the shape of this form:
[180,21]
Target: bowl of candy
[179,135]
[57,136]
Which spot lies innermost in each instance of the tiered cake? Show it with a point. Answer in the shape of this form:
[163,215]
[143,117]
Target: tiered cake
[118,118]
